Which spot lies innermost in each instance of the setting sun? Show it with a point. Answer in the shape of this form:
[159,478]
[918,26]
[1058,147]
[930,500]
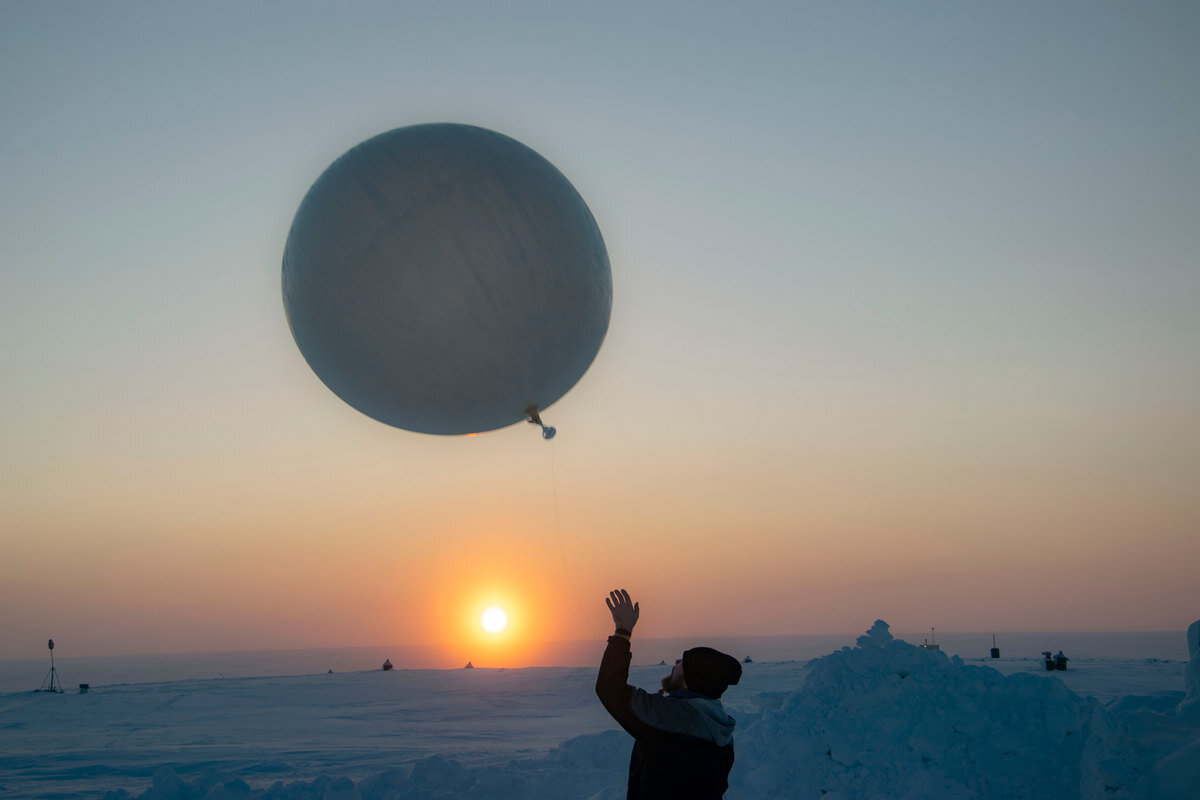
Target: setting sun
[494,619]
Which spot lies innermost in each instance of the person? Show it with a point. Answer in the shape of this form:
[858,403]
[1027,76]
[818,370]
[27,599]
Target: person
[682,737]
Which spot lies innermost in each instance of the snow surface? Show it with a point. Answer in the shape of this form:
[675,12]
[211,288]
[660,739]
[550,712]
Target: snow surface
[883,719]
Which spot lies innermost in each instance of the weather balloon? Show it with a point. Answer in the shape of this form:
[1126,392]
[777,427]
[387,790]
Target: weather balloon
[446,279]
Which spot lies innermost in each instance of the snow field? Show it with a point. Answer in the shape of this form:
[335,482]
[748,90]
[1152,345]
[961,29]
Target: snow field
[883,719]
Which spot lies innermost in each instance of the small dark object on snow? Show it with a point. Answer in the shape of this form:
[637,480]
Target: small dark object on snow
[387,664]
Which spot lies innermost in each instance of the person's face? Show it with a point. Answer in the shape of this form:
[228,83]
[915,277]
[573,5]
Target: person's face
[674,682]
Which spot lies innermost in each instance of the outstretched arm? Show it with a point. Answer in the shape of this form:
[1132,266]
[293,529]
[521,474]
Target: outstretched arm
[612,684]
[639,713]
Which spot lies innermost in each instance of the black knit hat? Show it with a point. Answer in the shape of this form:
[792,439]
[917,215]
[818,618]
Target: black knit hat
[710,672]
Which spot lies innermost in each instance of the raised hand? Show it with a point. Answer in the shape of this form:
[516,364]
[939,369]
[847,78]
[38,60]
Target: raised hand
[624,611]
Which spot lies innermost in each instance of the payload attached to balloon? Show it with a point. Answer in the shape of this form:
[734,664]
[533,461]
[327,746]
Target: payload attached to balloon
[446,279]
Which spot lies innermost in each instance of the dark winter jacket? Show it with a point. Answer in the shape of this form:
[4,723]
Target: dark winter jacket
[683,742]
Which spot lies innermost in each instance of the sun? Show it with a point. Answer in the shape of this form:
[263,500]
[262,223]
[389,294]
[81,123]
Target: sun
[494,619]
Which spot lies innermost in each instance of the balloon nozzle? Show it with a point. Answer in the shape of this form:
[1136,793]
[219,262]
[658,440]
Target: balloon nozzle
[536,419]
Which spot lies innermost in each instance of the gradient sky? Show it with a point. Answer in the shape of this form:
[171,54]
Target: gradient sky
[906,324]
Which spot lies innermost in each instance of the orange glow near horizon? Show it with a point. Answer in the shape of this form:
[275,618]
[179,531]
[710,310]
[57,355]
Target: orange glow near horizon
[504,647]
[501,561]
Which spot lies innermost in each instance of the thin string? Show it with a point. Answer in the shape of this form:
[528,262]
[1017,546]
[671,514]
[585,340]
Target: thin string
[561,548]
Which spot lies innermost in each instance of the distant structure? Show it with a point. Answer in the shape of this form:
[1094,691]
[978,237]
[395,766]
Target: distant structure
[747,660]
[83,688]
[931,642]
[1191,676]
[52,683]
[1055,662]
[469,666]
[995,650]
[387,664]
[1060,661]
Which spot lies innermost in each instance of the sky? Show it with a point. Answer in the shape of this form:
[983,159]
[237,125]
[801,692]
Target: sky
[904,325]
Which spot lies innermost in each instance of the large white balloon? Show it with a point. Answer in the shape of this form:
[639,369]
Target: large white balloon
[446,279]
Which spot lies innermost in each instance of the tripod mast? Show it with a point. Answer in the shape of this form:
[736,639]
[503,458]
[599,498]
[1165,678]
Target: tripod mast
[52,683]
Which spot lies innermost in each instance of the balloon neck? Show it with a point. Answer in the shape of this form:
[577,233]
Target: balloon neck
[536,419]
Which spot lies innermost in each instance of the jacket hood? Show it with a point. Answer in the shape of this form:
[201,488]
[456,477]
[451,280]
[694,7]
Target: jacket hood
[717,723]
[687,713]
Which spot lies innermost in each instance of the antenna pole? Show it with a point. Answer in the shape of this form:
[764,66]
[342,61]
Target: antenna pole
[52,683]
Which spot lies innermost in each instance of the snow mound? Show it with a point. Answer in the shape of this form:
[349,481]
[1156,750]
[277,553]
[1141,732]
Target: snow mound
[889,719]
